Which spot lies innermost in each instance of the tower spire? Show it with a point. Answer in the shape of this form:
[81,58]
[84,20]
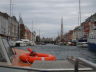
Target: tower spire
[61,28]
[20,19]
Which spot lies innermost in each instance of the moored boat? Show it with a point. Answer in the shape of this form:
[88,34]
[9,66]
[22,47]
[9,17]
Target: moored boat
[92,38]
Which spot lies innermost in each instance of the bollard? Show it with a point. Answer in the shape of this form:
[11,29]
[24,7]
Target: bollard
[76,66]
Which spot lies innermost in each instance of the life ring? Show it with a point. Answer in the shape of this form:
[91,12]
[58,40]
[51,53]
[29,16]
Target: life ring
[25,57]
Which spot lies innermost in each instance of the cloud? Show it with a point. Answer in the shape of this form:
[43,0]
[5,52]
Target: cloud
[46,14]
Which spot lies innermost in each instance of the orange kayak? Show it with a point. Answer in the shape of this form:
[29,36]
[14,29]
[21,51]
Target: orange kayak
[25,57]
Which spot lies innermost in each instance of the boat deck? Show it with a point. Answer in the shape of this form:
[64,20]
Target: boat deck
[16,61]
[52,64]
[58,64]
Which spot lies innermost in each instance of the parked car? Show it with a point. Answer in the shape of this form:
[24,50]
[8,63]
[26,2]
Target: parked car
[32,43]
[26,41]
[20,43]
[82,44]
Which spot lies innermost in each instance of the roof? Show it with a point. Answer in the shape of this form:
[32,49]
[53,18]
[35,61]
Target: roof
[5,15]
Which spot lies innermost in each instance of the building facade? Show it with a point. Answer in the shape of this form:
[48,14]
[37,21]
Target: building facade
[82,32]
[8,26]
[25,32]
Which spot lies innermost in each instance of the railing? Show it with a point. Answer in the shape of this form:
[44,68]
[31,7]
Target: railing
[46,70]
[91,67]
[86,62]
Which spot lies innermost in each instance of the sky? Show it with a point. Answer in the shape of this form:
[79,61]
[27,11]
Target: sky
[44,16]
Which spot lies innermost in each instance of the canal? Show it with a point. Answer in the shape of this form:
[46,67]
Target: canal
[62,52]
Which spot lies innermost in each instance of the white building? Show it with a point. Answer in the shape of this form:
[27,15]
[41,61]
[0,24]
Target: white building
[77,33]
[8,26]
[4,24]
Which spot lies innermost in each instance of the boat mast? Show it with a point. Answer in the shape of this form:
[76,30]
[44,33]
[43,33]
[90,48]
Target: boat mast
[32,30]
[39,32]
[10,7]
[19,26]
[11,11]
[79,17]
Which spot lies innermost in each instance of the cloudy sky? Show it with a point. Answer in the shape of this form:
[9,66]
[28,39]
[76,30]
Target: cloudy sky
[45,15]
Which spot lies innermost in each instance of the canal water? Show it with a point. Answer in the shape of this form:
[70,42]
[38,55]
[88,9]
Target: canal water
[62,52]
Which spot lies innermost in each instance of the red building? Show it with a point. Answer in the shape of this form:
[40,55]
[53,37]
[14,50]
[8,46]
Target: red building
[86,28]
[25,33]
[28,34]
[88,24]
[68,36]
[82,31]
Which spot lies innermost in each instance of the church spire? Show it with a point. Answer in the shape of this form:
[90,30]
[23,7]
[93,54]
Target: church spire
[61,28]
[20,20]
